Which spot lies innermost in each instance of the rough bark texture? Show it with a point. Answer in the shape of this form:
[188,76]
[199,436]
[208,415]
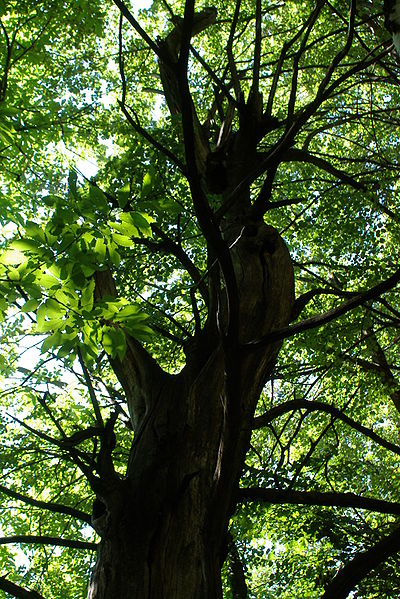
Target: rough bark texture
[164,527]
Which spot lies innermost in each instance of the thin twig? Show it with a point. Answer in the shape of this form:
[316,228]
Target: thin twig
[92,394]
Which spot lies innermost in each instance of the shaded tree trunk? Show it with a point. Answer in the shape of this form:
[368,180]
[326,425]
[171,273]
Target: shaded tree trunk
[164,526]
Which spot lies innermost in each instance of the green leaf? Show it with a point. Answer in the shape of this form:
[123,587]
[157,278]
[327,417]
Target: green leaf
[34,231]
[147,184]
[87,299]
[142,222]
[54,308]
[30,305]
[100,249]
[7,131]
[139,331]
[129,311]
[30,245]
[53,200]
[51,342]
[122,240]
[123,195]
[115,257]
[47,280]
[98,198]
[40,318]
[72,183]
[114,341]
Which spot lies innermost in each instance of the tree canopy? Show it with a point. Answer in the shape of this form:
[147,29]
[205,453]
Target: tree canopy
[158,167]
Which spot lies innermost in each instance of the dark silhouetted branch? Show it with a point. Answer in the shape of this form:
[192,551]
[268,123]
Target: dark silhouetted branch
[329,499]
[321,319]
[16,591]
[311,406]
[297,155]
[45,540]
[361,565]
[137,27]
[46,505]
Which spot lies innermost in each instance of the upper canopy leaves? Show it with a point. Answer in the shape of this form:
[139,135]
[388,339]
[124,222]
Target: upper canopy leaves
[307,94]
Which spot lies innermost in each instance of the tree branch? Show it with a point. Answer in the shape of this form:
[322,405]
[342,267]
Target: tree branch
[297,155]
[177,250]
[219,84]
[361,565]
[306,31]
[321,319]
[76,456]
[237,577]
[57,508]
[45,540]
[229,52]
[202,208]
[257,50]
[140,375]
[16,591]
[148,137]
[329,499]
[92,393]
[137,27]
[312,406]
[305,298]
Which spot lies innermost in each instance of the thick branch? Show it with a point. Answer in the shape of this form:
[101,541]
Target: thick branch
[137,27]
[302,301]
[4,79]
[361,565]
[307,28]
[257,50]
[278,70]
[65,444]
[177,250]
[229,51]
[138,372]
[297,155]
[92,393]
[47,505]
[219,84]
[202,208]
[45,540]
[16,591]
[237,576]
[321,319]
[330,499]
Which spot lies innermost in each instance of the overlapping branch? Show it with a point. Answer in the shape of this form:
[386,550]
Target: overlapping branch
[56,508]
[47,540]
[17,591]
[317,406]
[328,499]
[361,565]
[322,319]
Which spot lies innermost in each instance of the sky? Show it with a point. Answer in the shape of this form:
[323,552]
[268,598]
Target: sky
[87,166]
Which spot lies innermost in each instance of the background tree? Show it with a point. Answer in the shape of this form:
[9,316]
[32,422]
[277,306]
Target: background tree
[216,310]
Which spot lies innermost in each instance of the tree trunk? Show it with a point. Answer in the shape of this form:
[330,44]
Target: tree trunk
[164,526]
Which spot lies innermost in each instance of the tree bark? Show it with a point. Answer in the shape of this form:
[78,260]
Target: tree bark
[164,526]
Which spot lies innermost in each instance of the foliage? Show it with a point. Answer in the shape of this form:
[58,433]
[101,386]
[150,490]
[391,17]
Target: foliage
[67,78]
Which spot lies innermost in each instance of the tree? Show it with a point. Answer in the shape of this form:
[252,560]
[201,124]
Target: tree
[212,356]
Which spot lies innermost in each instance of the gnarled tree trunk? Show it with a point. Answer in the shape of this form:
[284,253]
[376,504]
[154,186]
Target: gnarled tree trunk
[164,526]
